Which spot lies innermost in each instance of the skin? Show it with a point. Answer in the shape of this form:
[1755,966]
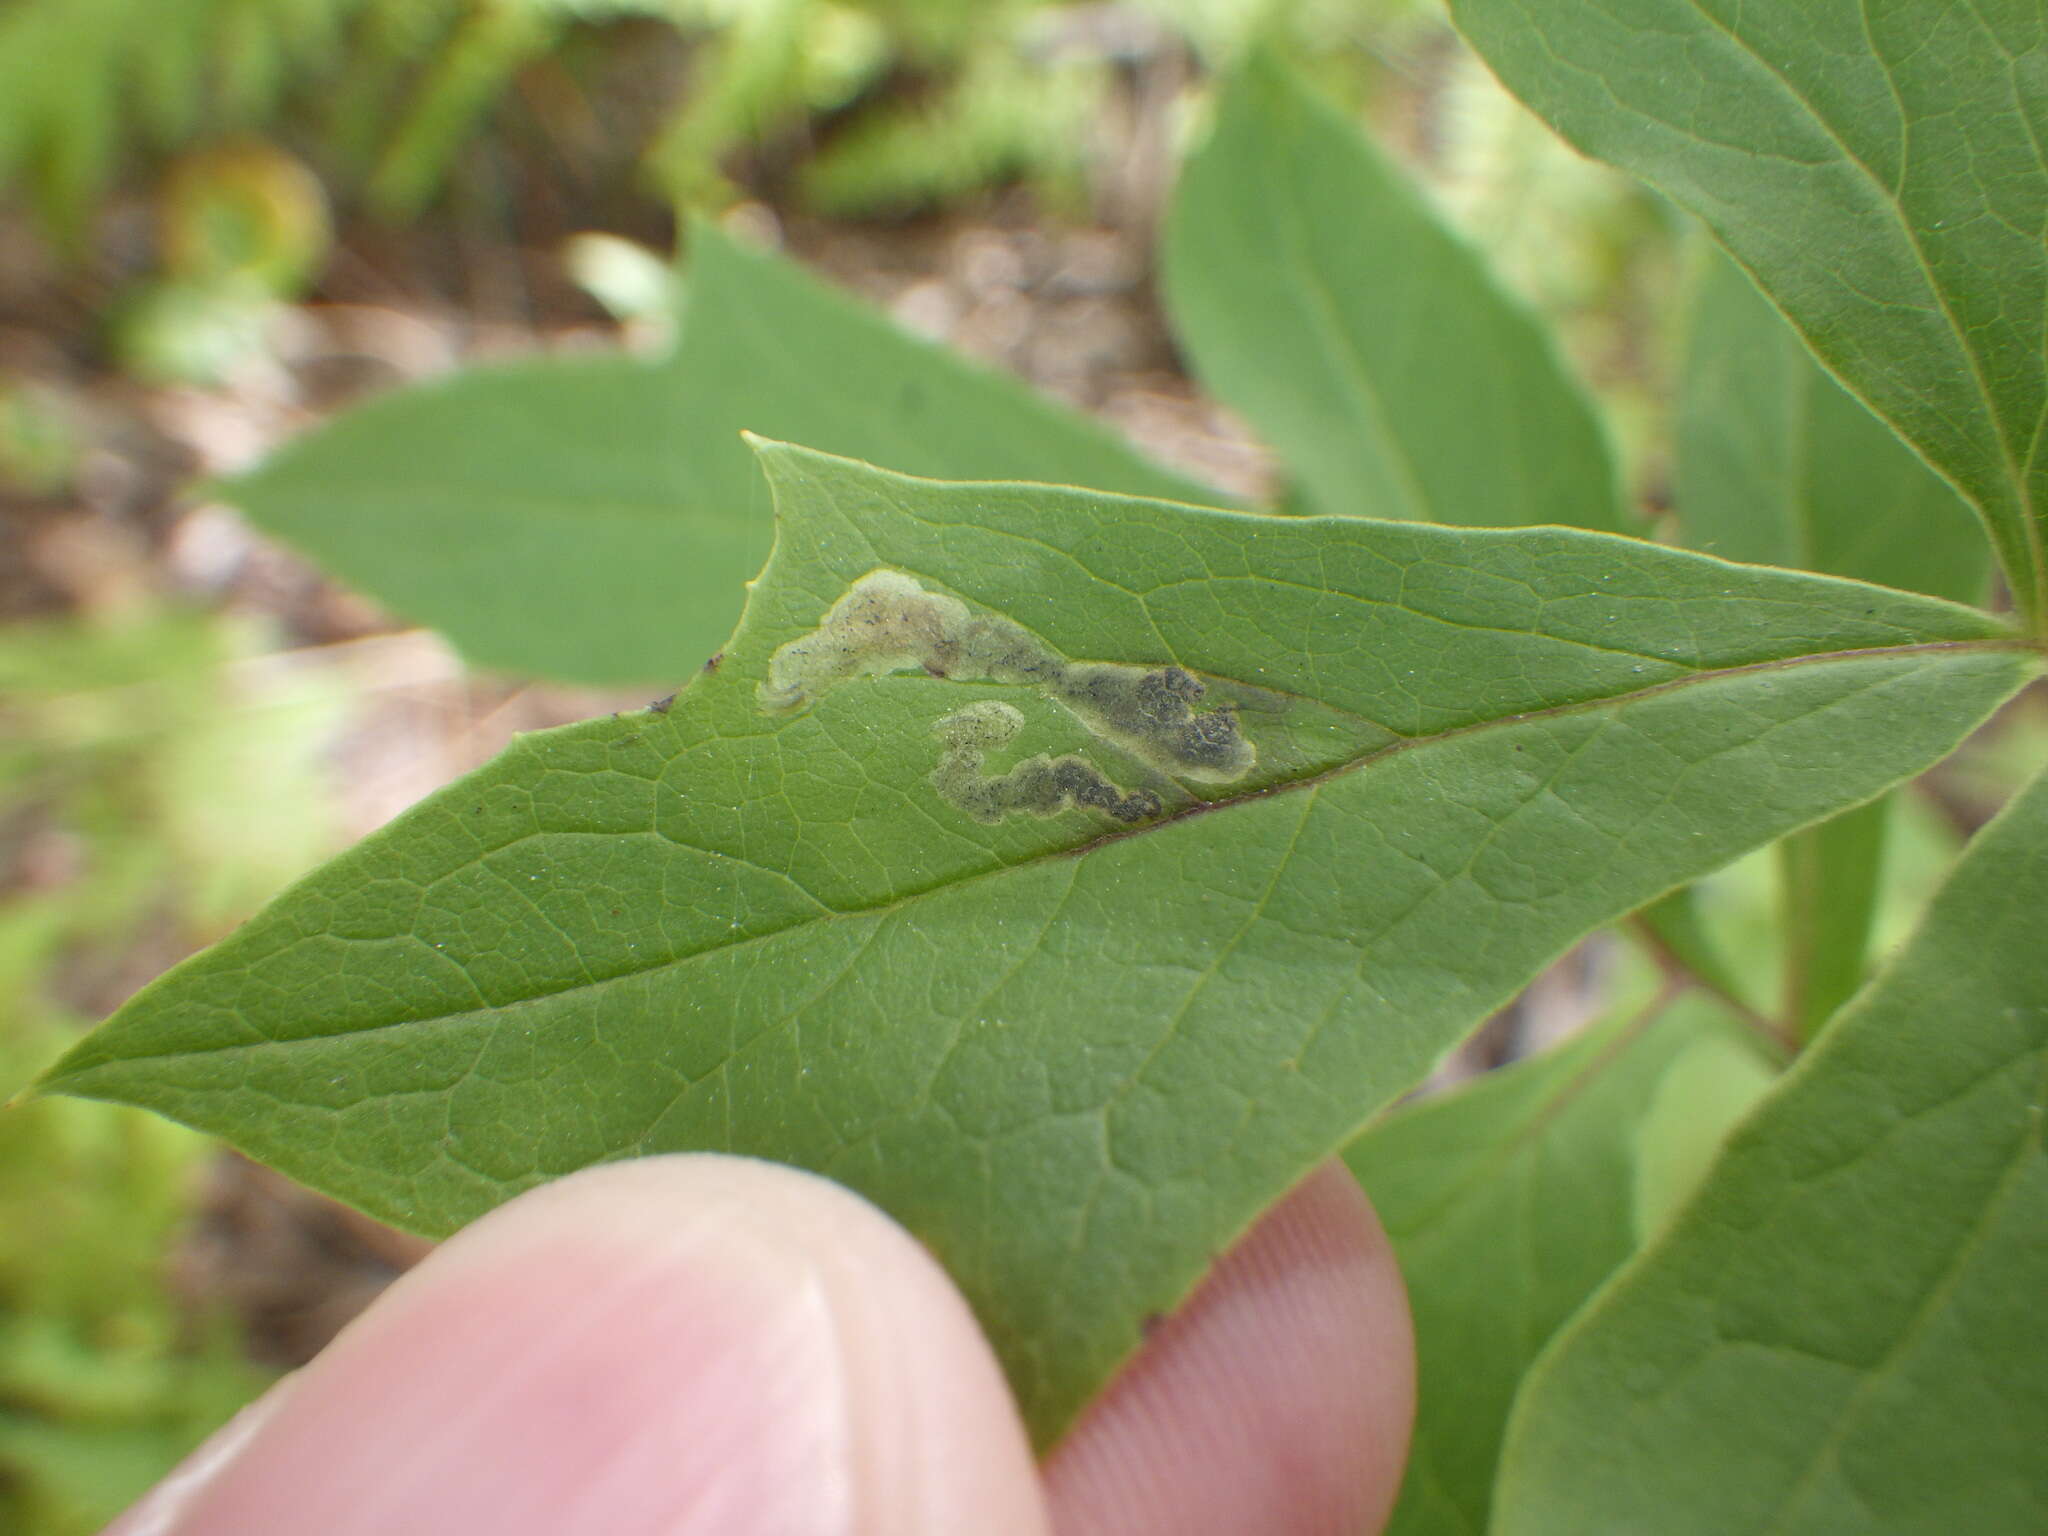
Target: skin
[702,1344]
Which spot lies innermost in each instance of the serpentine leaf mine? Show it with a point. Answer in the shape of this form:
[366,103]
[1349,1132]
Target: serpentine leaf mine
[1041,785]
[887,622]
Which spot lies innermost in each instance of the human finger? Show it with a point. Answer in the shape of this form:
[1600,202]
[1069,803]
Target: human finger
[666,1347]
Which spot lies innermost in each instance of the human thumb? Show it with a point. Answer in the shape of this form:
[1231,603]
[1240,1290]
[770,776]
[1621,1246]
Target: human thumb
[675,1345]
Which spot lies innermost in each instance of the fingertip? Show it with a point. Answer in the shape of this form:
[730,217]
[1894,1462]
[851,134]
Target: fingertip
[1278,1399]
[674,1345]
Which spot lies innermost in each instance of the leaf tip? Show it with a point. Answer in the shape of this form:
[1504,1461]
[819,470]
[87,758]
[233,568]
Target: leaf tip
[773,453]
[46,1082]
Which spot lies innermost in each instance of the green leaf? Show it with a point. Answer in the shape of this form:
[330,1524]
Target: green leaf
[458,88]
[1710,1084]
[1843,1330]
[542,515]
[1509,1202]
[1676,929]
[1831,875]
[764,342]
[597,519]
[807,912]
[1318,293]
[1778,464]
[1878,170]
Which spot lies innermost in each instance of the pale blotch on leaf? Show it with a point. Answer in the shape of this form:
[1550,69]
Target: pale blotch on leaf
[1038,786]
[887,622]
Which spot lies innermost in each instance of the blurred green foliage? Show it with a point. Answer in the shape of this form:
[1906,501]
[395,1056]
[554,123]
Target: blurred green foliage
[104,1380]
[89,86]
[155,786]
[40,441]
[248,116]
[926,97]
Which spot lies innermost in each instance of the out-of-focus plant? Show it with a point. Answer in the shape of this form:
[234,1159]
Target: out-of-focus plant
[925,97]
[1007,114]
[104,1380]
[1590,248]
[117,739]
[242,226]
[89,87]
[636,286]
[40,440]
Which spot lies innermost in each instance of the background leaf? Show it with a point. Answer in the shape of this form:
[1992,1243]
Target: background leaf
[1511,1199]
[542,515]
[1778,464]
[1843,1331]
[715,926]
[1675,926]
[1831,874]
[1316,291]
[1878,169]
[596,520]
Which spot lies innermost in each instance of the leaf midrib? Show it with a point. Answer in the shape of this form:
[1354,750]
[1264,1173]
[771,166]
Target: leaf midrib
[1313,781]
